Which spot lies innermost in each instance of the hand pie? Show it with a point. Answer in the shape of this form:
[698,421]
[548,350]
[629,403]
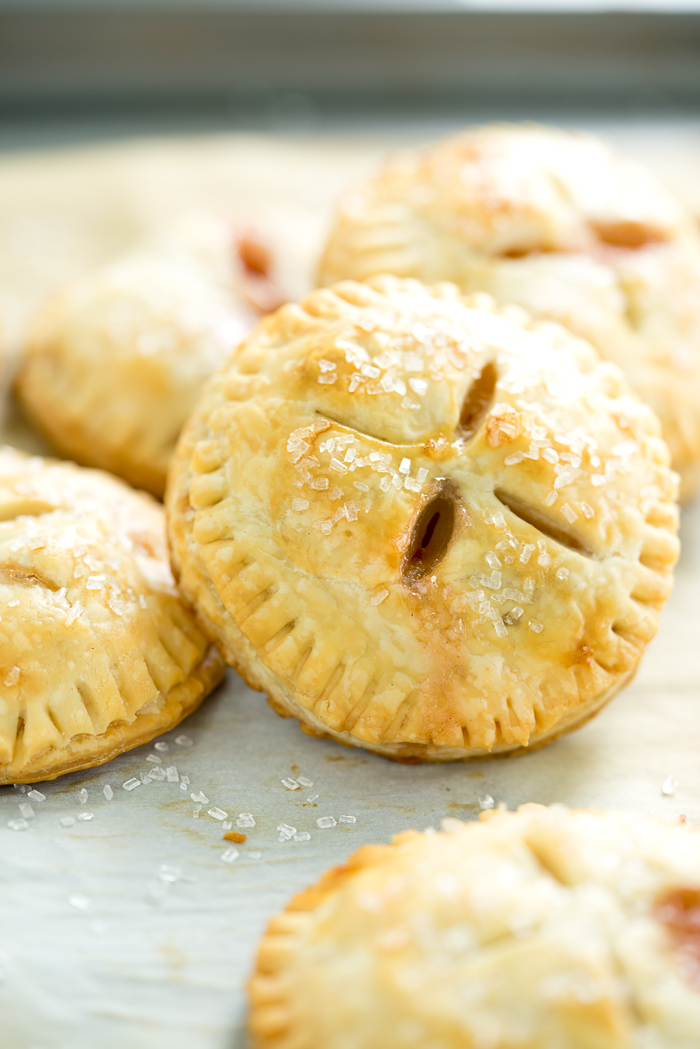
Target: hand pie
[545,928]
[97,652]
[558,223]
[422,524]
[116,361]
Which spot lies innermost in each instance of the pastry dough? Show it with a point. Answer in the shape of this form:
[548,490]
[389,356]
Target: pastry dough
[97,652]
[544,928]
[115,362]
[558,223]
[422,524]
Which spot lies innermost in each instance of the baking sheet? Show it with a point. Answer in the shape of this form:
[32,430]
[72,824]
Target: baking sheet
[128,928]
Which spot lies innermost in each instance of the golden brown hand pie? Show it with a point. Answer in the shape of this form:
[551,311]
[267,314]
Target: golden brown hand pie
[116,361]
[558,223]
[545,928]
[422,524]
[97,652]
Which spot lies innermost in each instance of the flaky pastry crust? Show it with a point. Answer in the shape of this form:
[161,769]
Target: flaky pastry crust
[558,223]
[97,652]
[543,928]
[421,524]
[115,362]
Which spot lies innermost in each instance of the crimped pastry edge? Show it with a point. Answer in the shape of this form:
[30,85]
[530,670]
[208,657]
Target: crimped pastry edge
[180,702]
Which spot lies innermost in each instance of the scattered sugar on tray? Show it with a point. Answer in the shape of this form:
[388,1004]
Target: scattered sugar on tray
[162,746]
[668,787]
[347,819]
[67,821]
[156,774]
[486,802]
[311,798]
[217,814]
[36,795]
[108,792]
[79,901]
[18,824]
[131,784]
[154,759]
[301,835]
[324,822]
[245,819]
[230,855]
[83,796]
[286,832]
[289,783]
[26,810]
[172,774]
[200,796]
[196,811]
[304,781]
[86,816]
[145,776]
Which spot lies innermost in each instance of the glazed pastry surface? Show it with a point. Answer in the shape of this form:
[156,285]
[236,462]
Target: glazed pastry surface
[423,524]
[560,224]
[545,928]
[115,362]
[97,652]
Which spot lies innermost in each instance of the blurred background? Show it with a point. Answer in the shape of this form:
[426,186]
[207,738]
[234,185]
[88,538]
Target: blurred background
[76,69]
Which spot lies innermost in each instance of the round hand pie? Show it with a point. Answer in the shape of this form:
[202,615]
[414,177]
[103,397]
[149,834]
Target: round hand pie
[116,361]
[422,525]
[558,223]
[97,653]
[545,928]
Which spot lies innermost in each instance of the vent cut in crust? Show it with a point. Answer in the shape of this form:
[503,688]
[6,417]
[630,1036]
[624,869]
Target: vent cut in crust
[422,524]
[97,652]
[560,224]
[545,928]
[115,362]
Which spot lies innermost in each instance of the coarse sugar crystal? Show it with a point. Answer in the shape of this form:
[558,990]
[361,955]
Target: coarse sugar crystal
[200,796]
[486,802]
[304,781]
[131,784]
[17,824]
[171,774]
[347,819]
[183,741]
[86,816]
[36,795]
[324,822]
[154,759]
[83,796]
[161,745]
[217,814]
[26,810]
[230,855]
[289,783]
[108,792]
[67,821]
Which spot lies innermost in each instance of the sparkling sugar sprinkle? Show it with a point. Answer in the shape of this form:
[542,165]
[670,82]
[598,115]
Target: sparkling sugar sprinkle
[289,783]
[108,792]
[131,784]
[36,795]
[324,822]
